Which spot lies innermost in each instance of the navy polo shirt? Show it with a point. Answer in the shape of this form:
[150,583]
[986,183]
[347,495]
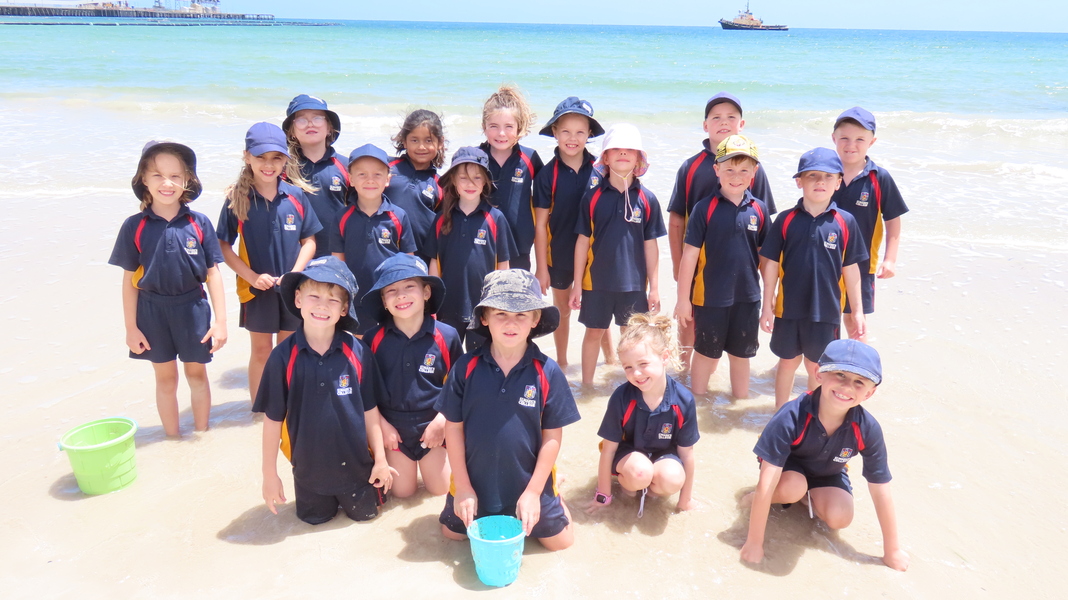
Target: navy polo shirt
[418,193]
[512,190]
[368,240]
[871,202]
[473,248]
[697,180]
[269,241]
[559,188]
[795,431]
[672,424]
[616,260]
[169,258]
[322,400]
[332,178]
[414,368]
[503,418]
[811,258]
[729,236]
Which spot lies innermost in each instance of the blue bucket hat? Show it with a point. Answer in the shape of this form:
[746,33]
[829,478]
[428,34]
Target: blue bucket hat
[369,150]
[327,269]
[573,105]
[266,137]
[469,154]
[852,356]
[819,159]
[858,115]
[306,102]
[514,291]
[189,157]
[398,268]
[721,98]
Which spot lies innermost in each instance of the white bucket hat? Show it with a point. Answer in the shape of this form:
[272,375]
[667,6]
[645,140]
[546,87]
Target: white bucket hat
[623,136]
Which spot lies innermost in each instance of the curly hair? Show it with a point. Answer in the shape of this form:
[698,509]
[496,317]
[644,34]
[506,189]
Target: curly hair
[509,97]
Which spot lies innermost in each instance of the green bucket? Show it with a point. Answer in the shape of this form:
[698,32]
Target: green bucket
[102,454]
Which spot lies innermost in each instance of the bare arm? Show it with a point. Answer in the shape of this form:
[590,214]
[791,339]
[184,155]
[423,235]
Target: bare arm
[135,339]
[541,247]
[753,550]
[652,271]
[256,280]
[381,474]
[217,332]
[272,484]
[769,272]
[689,464]
[465,503]
[582,247]
[528,508]
[851,274]
[893,237]
[433,267]
[893,556]
[686,269]
[676,235]
[307,252]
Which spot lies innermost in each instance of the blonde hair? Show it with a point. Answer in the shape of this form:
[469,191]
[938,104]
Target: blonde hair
[190,177]
[237,192]
[654,330]
[509,97]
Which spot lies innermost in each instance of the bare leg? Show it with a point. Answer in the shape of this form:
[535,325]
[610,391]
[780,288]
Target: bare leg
[262,344]
[784,379]
[196,375]
[591,346]
[811,368]
[686,339]
[701,371]
[560,336]
[607,349]
[167,396]
[834,506]
[668,477]
[407,480]
[436,471]
[635,472]
[739,369]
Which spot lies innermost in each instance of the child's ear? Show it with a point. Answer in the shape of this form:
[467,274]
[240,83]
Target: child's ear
[296,298]
[741,125]
[871,393]
[426,292]
[797,180]
[872,142]
[819,377]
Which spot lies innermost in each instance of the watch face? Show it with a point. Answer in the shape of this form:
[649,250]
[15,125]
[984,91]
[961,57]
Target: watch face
[600,498]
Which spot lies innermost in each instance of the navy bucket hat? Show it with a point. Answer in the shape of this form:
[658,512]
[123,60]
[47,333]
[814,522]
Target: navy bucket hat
[151,149]
[515,291]
[306,102]
[327,269]
[398,268]
[573,105]
[852,356]
[469,154]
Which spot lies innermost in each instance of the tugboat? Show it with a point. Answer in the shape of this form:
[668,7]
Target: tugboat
[746,20]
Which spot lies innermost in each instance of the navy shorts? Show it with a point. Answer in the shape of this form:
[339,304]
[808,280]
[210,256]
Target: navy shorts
[266,313]
[553,520]
[521,261]
[791,337]
[867,293]
[174,326]
[361,504]
[410,427]
[598,308]
[561,278]
[732,329]
[840,480]
[625,449]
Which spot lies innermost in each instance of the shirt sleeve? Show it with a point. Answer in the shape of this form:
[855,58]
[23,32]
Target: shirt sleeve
[560,408]
[773,243]
[506,248]
[583,225]
[654,225]
[612,423]
[125,253]
[212,252]
[774,442]
[431,245]
[876,469]
[762,189]
[697,226]
[310,224]
[451,400]
[337,236]
[271,395]
[893,205]
[535,159]
[689,433]
[226,229]
[677,203]
[407,237]
[543,188]
[855,251]
[372,387]
[762,233]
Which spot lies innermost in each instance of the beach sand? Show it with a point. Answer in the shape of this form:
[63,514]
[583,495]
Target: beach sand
[973,407]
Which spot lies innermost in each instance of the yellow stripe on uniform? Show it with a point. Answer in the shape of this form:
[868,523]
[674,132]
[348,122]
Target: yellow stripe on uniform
[699,281]
[244,288]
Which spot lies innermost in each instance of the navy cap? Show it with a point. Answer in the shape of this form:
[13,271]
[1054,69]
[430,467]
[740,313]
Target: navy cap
[819,159]
[719,99]
[398,268]
[861,116]
[514,291]
[468,154]
[327,269]
[306,102]
[573,105]
[852,356]
[369,150]
[187,155]
[266,137]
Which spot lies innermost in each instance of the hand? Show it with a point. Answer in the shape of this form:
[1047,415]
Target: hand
[272,492]
[767,320]
[753,553]
[217,333]
[654,301]
[390,438]
[685,505]
[886,270]
[434,434]
[542,274]
[576,297]
[382,475]
[465,505]
[860,327]
[897,560]
[264,282]
[683,312]
[528,510]
[136,341]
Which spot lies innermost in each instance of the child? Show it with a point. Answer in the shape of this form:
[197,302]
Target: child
[722,245]
[805,446]
[872,197]
[311,128]
[616,252]
[470,239]
[372,229]
[331,435]
[506,117]
[275,226]
[414,353]
[414,182]
[697,180]
[163,302]
[503,446]
[650,423]
[558,188]
[815,249]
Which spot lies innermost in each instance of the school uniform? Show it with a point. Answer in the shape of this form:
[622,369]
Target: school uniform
[696,180]
[512,189]
[795,440]
[321,401]
[559,188]
[414,370]
[872,198]
[657,433]
[330,176]
[615,280]
[170,261]
[418,193]
[503,418]
[367,240]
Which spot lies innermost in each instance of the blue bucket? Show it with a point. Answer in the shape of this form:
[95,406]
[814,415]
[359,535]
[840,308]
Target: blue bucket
[497,546]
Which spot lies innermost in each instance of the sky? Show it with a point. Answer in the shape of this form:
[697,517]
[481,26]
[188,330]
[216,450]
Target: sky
[955,15]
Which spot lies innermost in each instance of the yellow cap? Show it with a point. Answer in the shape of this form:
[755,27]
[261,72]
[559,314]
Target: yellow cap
[736,145]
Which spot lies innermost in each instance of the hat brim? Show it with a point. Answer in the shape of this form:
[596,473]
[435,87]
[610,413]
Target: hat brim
[847,368]
[288,289]
[188,157]
[595,128]
[713,103]
[517,303]
[372,300]
[731,155]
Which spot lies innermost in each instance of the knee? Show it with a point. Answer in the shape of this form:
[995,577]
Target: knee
[668,477]
[838,517]
[452,535]
[196,374]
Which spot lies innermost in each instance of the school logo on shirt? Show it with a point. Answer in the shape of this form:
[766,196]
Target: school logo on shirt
[518,176]
[385,237]
[343,388]
[665,431]
[429,192]
[635,214]
[528,397]
[291,223]
[428,364]
[335,184]
[191,246]
[752,223]
[863,200]
[594,181]
[844,455]
[480,237]
[832,241]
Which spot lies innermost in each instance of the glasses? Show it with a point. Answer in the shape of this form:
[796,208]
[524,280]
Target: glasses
[317,120]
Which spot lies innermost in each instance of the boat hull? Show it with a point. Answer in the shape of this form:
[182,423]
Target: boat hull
[735,26]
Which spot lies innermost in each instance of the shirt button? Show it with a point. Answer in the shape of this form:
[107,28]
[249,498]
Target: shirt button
[322,384]
[502,390]
[497,369]
[407,364]
[320,363]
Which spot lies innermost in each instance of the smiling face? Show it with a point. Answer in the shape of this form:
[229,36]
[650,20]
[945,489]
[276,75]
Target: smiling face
[509,330]
[643,367]
[469,180]
[266,168]
[852,141]
[845,389]
[321,304]
[817,186]
[369,177]
[571,132]
[406,298]
[723,120]
[310,127]
[735,176]
[422,147]
[166,178]
[501,129]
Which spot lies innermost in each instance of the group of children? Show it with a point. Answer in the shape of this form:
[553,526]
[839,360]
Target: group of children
[363,277]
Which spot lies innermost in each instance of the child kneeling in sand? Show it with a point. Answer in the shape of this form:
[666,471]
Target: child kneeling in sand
[503,446]
[324,430]
[804,449]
